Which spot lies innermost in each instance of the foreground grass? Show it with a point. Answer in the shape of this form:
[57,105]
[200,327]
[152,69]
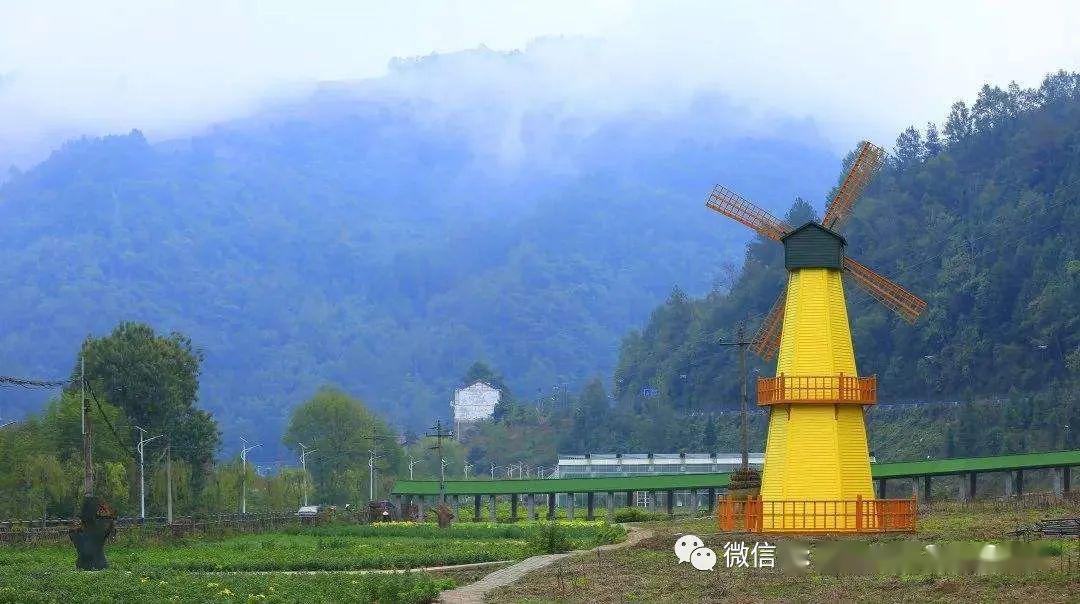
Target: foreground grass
[192,570]
[648,571]
[32,586]
[334,547]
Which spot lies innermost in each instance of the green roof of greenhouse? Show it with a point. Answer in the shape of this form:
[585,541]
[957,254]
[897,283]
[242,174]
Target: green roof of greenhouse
[661,482]
[998,463]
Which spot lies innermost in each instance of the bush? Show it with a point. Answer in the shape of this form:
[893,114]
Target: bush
[550,538]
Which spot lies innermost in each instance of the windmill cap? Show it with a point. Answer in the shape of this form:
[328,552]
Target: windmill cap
[819,226]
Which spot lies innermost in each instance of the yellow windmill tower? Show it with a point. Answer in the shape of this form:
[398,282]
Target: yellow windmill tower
[816,475]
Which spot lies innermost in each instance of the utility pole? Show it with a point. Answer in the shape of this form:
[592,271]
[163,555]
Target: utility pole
[304,452]
[742,343]
[243,460]
[88,462]
[438,434]
[141,448]
[168,483]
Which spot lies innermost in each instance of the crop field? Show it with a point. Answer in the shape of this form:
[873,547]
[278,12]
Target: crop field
[649,572]
[270,566]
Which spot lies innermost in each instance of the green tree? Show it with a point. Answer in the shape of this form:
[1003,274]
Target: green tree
[344,431]
[154,380]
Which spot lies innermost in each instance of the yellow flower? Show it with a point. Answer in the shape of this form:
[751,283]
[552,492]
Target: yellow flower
[224,592]
[162,583]
[212,584]
[144,579]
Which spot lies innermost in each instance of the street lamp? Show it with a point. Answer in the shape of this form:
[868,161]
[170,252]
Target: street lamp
[304,452]
[243,459]
[371,474]
[141,448]
[413,462]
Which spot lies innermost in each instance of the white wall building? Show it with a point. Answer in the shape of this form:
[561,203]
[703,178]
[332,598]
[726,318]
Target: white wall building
[473,403]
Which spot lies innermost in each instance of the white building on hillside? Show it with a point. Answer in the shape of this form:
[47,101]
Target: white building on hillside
[473,403]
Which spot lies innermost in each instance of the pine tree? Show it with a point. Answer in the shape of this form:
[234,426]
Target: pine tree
[933,145]
[909,148]
[958,124]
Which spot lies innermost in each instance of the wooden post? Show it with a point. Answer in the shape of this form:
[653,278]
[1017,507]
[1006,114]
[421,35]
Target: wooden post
[513,507]
[670,502]
[712,499]
[569,506]
[530,505]
[590,506]
[858,514]
[926,489]
[551,505]
[491,508]
[693,502]
[611,507]
[629,499]
[476,508]
[881,486]
[967,486]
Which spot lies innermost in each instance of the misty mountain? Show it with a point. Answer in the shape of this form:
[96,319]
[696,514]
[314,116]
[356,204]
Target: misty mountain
[383,235]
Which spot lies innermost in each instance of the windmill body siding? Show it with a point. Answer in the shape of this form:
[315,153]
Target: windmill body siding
[813,246]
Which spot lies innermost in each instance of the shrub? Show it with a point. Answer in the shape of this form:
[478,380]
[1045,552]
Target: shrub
[550,538]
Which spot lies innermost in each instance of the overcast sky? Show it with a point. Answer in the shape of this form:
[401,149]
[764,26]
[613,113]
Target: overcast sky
[857,68]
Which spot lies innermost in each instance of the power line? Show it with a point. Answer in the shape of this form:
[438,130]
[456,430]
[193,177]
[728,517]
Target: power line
[127,447]
[7,381]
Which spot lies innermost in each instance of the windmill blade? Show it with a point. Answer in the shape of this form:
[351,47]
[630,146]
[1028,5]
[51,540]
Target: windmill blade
[767,341]
[866,164]
[906,304]
[732,205]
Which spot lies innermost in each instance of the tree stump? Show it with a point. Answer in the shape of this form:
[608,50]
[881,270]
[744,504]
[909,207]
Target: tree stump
[96,524]
[444,515]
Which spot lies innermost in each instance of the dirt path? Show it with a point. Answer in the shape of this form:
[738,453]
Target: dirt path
[475,592]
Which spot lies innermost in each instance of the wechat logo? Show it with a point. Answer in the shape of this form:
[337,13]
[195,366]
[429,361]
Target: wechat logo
[690,548]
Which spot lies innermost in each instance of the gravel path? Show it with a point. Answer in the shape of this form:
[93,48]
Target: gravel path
[474,593]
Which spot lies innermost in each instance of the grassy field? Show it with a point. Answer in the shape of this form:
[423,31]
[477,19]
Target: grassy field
[201,570]
[648,572]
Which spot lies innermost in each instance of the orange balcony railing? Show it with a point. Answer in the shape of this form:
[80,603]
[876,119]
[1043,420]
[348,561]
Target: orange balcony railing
[846,389]
[821,516]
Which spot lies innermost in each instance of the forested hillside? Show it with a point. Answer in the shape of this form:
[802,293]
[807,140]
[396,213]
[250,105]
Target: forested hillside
[982,219]
[368,237]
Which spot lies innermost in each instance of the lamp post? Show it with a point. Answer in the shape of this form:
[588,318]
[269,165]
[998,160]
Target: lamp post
[141,448]
[243,480]
[304,452]
[412,462]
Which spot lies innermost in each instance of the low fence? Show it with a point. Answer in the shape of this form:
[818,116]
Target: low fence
[217,525]
[817,516]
